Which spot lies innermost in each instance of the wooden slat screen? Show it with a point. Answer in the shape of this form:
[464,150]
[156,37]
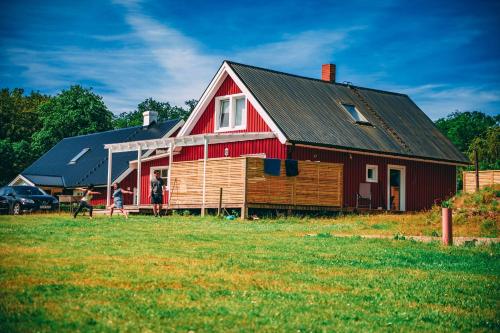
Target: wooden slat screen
[486,178]
[318,184]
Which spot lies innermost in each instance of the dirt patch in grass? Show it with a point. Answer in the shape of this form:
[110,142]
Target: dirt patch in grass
[24,250]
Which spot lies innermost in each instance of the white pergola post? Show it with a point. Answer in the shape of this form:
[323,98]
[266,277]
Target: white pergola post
[108,185]
[139,168]
[170,161]
[205,157]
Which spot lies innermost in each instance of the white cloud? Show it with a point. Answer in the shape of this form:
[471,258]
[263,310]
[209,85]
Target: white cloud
[156,60]
[438,100]
[296,51]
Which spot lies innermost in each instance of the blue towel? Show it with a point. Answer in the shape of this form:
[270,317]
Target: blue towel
[272,166]
[292,168]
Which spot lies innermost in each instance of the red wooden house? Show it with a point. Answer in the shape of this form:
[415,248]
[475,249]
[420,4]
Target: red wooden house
[342,135]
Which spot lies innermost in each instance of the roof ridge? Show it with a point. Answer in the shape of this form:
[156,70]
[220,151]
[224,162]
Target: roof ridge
[121,129]
[314,79]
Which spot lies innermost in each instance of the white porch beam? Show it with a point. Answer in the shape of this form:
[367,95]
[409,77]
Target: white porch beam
[205,158]
[139,169]
[108,184]
[170,165]
[191,140]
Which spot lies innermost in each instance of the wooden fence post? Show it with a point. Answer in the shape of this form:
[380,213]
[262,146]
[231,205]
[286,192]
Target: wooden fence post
[219,210]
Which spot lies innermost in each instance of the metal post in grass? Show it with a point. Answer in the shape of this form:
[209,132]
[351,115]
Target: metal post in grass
[446,223]
[476,166]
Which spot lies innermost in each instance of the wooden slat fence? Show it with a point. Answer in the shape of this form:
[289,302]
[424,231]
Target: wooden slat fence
[486,178]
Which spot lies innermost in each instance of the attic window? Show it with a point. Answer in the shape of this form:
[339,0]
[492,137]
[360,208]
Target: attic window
[355,114]
[80,154]
[230,113]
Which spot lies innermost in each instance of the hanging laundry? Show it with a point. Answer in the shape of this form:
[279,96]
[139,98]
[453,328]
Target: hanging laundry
[272,166]
[292,168]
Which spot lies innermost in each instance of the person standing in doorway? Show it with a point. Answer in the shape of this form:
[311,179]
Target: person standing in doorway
[88,193]
[118,200]
[156,193]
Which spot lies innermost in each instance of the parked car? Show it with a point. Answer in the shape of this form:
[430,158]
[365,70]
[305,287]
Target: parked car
[28,199]
[4,205]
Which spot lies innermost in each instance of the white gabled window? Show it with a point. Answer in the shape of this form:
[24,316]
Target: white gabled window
[372,173]
[230,113]
[355,114]
[80,154]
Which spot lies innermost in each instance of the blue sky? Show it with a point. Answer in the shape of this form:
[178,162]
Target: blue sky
[444,54]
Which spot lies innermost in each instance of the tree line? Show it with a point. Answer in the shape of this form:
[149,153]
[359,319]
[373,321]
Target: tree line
[31,124]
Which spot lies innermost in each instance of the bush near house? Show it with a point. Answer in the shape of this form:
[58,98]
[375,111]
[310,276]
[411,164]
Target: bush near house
[478,212]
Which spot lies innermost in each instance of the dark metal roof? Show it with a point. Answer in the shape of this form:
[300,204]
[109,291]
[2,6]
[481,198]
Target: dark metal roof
[91,168]
[309,111]
[44,180]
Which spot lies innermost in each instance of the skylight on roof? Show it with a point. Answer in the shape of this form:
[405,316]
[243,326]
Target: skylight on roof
[355,114]
[80,154]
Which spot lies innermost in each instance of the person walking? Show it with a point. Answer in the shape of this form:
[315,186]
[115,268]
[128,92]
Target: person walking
[118,200]
[156,193]
[88,193]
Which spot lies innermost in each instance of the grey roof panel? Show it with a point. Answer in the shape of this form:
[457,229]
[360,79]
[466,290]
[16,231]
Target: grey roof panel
[309,111]
[44,180]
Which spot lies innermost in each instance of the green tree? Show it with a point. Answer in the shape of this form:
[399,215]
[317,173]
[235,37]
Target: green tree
[75,111]
[19,121]
[488,149]
[164,109]
[18,113]
[463,127]
[7,172]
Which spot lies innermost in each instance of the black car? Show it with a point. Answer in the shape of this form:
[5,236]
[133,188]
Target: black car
[28,199]
[4,205]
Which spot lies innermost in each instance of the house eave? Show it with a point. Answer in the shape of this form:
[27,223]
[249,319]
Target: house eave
[376,153]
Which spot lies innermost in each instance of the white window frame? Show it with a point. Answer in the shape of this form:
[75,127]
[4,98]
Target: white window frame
[78,156]
[362,118]
[161,168]
[375,173]
[232,113]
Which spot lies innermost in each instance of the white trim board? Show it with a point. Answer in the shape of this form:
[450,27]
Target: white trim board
[24,179]
[210,92]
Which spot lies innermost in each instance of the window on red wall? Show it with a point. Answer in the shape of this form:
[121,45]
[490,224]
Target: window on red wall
[230,113]
[371,173]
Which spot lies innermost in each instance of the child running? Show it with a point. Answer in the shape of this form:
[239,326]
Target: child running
[85,201]
[118,200]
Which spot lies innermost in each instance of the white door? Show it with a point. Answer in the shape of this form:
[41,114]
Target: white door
[396,187]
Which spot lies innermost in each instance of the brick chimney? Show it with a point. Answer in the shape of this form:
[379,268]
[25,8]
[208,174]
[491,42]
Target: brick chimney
[149,117]
[328,72]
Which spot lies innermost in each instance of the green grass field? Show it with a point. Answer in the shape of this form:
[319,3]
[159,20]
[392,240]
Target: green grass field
[192,274]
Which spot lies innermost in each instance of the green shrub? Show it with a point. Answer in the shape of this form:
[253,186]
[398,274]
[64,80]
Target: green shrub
[489,228]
